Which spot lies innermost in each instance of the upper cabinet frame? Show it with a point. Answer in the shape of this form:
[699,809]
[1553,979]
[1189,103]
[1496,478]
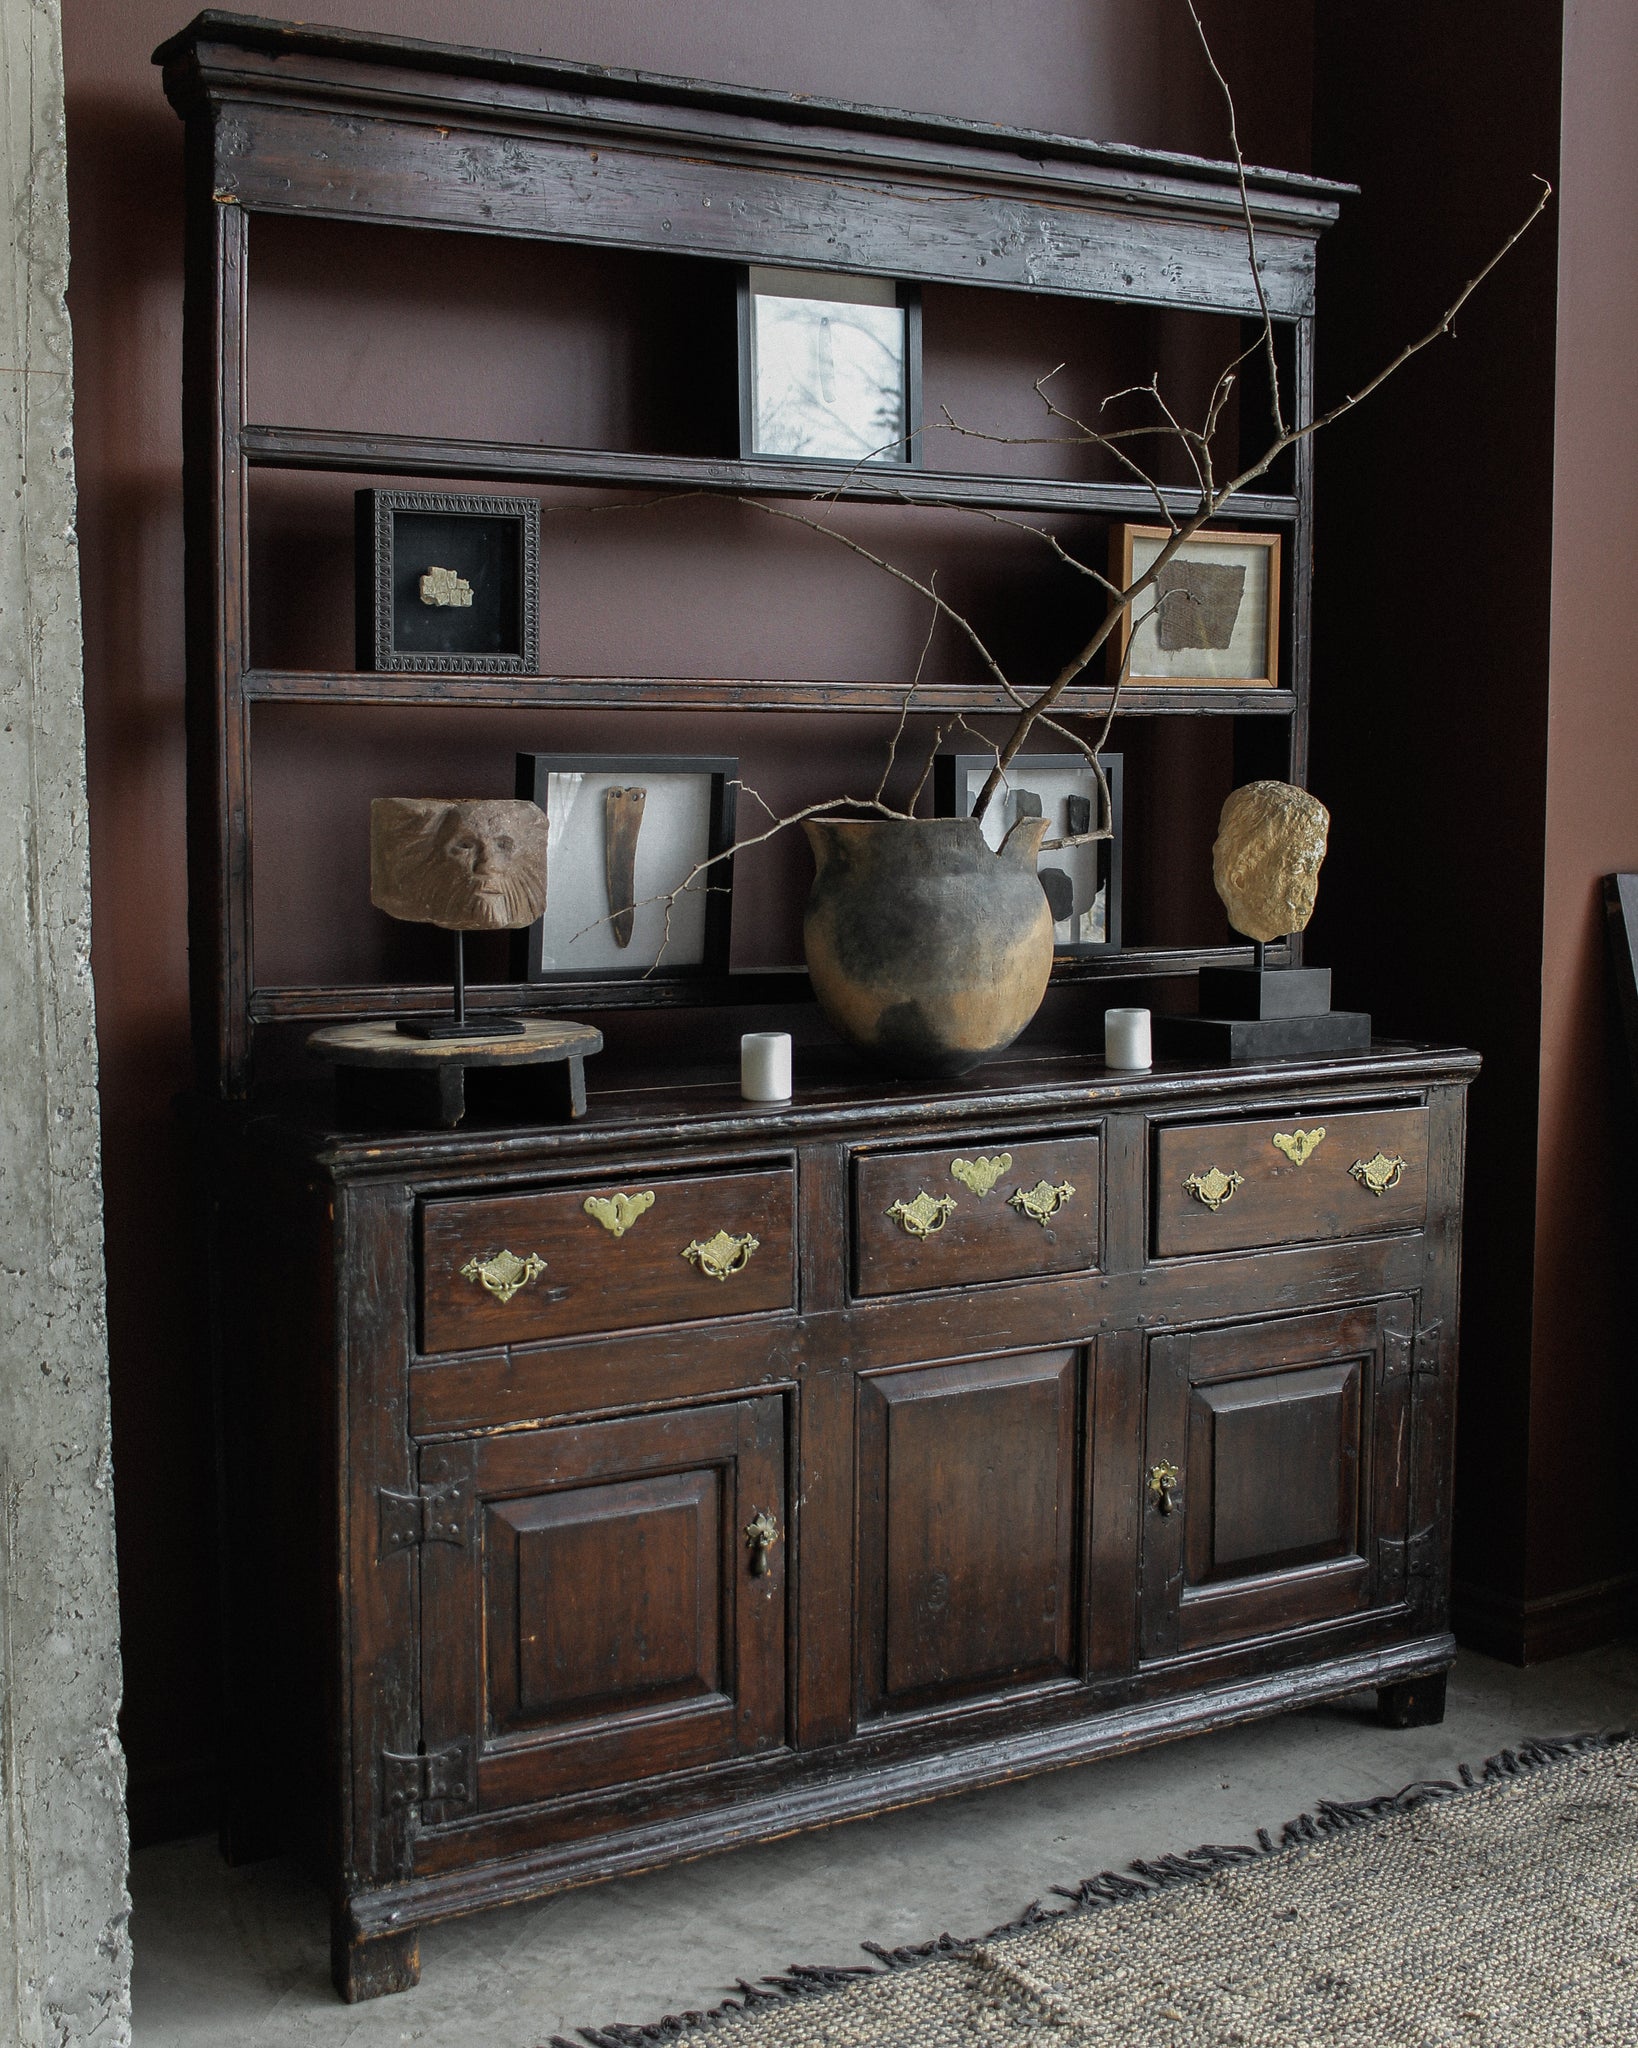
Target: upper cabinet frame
[296,120]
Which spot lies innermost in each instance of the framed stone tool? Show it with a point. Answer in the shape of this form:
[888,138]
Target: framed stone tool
[628,836]
[447,583]
[829,367]
[1080,874]
[1212,615]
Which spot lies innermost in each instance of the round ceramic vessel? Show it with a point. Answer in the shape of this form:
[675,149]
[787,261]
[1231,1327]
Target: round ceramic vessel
[928,951]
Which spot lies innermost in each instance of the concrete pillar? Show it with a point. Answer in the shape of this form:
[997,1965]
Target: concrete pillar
[64,1946]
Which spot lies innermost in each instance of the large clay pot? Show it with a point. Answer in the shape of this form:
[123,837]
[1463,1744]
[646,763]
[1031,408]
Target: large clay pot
[928,950]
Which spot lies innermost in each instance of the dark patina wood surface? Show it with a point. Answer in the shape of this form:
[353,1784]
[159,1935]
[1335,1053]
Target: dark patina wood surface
[501,1586]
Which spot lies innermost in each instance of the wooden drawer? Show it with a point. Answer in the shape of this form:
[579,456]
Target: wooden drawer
[719,1245]
[919,1223]
[1230,1186]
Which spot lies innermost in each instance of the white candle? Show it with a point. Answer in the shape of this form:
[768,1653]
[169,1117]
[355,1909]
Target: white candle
[1126,1039]
[765,1066]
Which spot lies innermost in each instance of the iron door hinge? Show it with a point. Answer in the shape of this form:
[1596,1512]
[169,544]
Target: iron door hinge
[425,1779]
[1418,1355]
[435,1515]
[1411,1557]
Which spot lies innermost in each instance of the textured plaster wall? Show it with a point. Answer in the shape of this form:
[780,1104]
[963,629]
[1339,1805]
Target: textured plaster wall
[64,1949]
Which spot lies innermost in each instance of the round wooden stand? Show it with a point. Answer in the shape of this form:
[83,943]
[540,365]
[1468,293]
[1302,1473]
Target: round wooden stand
[382,1077]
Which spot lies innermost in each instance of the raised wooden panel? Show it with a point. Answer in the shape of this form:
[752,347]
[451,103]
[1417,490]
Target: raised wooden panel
[588,1279]
[1289,1478]
[980,1236]
[604,1623]
[603,1598]
[967,1540]
[1273,1198]
[1276,1460]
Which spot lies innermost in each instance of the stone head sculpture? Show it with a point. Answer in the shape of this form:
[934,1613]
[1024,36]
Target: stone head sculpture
[1270,842]
[476,866]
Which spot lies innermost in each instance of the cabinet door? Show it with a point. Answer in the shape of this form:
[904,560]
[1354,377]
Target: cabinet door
[967,1548]
[609,1614]
[1277,1476]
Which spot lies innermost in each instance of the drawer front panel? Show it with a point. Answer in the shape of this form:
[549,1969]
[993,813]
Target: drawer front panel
[522,1268]
[1293,1180]
[947,1218]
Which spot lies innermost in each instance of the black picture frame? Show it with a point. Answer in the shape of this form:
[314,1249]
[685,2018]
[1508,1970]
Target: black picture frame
[686,958]
[954,775]
[491,543]
[1621,923]
[907,297]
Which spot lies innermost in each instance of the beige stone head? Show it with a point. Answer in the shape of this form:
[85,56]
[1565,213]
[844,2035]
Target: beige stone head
[1266,862]
[476,866]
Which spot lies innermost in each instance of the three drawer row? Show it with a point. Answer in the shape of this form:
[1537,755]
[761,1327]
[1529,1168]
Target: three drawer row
[576,1260]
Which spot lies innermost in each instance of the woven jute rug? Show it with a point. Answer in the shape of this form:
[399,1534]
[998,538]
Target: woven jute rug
[1501,1912]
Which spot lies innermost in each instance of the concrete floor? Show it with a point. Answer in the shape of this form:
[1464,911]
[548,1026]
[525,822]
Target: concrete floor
[241,1957]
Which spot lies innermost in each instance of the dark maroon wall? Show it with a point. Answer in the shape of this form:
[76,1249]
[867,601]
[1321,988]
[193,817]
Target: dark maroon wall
[1118,69]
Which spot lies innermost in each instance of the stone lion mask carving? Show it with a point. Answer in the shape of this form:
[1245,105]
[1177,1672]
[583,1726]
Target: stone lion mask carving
[1271,840]
[475,866]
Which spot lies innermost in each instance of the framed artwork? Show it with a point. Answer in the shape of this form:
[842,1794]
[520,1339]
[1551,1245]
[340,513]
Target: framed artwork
[1212,615]
[829,367]
[622,832]
[447,583]
[1082,883]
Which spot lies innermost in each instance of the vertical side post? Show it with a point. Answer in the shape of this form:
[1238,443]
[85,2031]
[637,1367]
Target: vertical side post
[1302,574]
[216,504]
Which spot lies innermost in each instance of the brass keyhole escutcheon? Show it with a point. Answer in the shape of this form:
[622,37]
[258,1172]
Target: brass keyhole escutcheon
[925,1215]
[1299,1146]
[617,1213]
[505,1273]
[1163,1487]
[979,1176]
[1377,1175]
[761,1534]
[1214,1187]
[1041,1202]
[721,1256]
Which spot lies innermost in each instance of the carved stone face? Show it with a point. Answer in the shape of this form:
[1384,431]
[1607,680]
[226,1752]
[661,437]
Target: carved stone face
[469,867]
[1271,840]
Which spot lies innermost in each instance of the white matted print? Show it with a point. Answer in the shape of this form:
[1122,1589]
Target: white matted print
[622,834]
[829,367]
[1211,616]
[1082,883]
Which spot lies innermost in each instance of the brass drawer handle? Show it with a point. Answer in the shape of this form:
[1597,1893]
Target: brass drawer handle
[980,1175]
[617,1213]
[761,1534]
[1214,1187]
[722,1255]
[1379,1174]
[925,1215]
[1299,1146]
[1163,1487]
[505,1274]
[1041,1202]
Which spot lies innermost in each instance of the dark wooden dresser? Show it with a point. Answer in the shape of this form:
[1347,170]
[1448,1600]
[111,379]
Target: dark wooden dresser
[605,1494]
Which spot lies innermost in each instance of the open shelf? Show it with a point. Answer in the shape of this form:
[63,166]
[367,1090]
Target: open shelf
[516,462]
[709,693]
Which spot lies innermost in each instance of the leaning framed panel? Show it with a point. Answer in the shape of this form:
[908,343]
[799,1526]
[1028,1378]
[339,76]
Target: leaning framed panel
[1081,876]
[829,367]
[1212,614]
[447,583]
[629,892]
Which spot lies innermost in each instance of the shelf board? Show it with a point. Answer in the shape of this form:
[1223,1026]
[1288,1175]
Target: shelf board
[706,693]
[281,1005]
[520,462]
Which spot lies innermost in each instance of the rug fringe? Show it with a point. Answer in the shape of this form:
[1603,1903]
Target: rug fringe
[1141,1879]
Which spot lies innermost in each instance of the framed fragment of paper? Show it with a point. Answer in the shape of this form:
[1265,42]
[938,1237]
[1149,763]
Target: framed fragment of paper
[447,583]
[1213,614]
[623,832]
[829,367]
[1082,882]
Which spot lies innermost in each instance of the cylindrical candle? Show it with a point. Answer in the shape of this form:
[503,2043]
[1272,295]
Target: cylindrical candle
[765,1066]
[1126,1039]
